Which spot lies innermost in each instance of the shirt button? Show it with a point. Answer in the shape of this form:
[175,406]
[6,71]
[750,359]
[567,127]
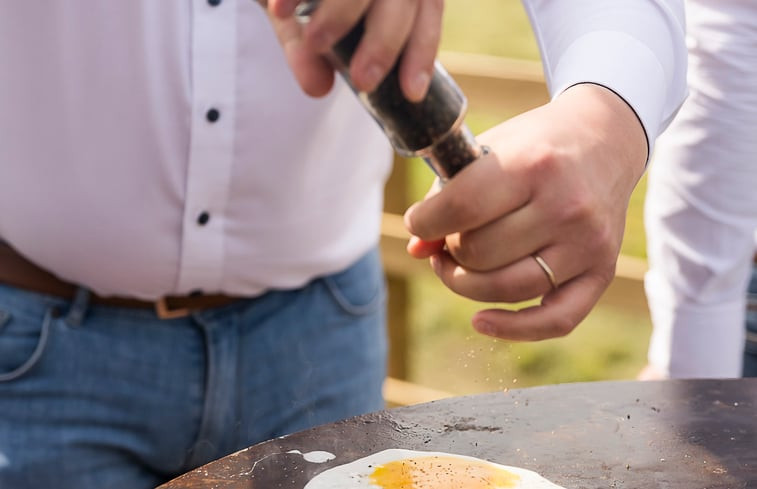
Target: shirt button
[203,218]
[212,115]
[214,3]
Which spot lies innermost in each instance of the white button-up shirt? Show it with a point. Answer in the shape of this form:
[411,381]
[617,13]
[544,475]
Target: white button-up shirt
[701,209]
[160,147]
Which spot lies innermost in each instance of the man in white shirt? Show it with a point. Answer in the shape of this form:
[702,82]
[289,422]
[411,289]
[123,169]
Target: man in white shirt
[701,209]
[190,262]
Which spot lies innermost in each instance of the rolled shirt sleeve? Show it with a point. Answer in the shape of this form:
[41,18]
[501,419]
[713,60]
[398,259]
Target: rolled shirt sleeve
[636,48]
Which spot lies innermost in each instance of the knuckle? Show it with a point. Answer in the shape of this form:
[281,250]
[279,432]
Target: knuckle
[425,44]
[543,159]
[382,53]
[582,208]
[383,57]
[605,275]
[578,207]
[466,251]
[602,244]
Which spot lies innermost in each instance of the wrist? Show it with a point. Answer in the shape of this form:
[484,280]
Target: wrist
[611,119]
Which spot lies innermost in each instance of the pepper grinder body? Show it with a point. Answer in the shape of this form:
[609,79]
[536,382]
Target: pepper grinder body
[433,128]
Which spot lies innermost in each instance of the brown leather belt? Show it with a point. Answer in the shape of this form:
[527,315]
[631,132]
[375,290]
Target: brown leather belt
[17,271]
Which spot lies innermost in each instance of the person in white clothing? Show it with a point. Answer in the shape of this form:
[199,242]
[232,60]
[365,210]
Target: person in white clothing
[189,257]
[701,207]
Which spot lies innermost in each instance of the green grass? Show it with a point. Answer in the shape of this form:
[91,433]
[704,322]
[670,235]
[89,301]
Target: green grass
[446,352]
[449,354]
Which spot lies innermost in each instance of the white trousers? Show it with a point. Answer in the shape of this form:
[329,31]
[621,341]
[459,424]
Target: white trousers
[701,208]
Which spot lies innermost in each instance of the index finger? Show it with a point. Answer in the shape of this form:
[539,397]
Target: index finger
[483,191]
[331,21]
[314,74]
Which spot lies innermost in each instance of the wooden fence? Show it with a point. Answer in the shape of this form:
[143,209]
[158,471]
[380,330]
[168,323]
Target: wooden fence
[493,85]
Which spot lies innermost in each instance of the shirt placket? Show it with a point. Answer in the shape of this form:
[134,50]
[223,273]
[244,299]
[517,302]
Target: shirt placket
[211,150]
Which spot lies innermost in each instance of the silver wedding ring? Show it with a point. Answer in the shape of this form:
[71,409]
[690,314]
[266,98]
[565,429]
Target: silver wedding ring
[547,270]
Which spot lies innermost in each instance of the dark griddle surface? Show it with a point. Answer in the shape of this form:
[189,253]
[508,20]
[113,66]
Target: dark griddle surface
[670,434]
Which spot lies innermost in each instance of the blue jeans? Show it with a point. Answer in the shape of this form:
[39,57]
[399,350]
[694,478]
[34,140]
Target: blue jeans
[96,397]
[750,348]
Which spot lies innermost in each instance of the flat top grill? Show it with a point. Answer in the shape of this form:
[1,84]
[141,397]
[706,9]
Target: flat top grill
[676,434]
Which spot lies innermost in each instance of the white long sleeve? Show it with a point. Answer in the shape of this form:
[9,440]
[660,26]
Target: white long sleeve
[701,207]
[634,47]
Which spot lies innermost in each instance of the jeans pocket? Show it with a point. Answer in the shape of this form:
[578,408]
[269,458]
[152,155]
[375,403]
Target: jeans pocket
[22,343]
[360,289]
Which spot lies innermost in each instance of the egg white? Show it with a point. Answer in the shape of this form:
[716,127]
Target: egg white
[357,474]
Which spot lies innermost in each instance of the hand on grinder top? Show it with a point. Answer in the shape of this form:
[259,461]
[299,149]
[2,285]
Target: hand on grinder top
[404,30]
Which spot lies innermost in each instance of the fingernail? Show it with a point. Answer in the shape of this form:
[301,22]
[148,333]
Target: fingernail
[412,243]
[373,76]
[418,86]
[436,263]
[483,327]
[407,216]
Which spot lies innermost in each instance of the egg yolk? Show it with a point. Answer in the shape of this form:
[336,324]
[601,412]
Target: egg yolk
[441,473]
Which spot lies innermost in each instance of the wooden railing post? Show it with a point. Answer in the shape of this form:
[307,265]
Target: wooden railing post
[395,202]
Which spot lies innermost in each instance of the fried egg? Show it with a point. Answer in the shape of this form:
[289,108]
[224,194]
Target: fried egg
[408,469]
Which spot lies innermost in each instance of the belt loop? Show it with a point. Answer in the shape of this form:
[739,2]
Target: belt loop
[79,307]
